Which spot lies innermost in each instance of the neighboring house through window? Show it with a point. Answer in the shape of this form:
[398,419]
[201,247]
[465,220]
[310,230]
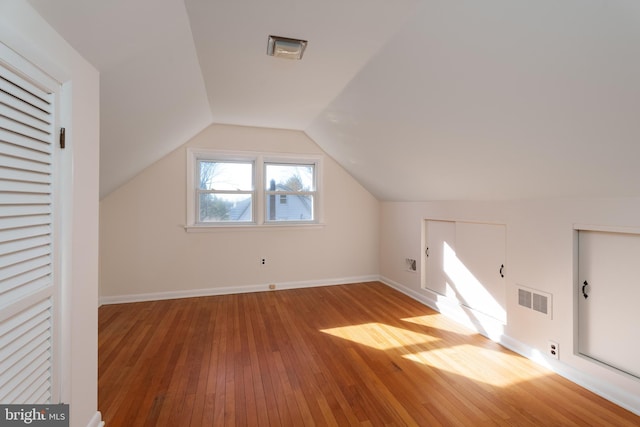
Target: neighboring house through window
[294,185]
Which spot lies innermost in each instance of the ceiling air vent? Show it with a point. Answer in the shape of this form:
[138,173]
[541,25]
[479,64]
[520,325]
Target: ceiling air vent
[284,47]
[535,300]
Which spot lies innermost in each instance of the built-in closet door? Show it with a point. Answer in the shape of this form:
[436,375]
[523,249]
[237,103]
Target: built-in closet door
[466,263]
[608,294]
[439,235]
[477,268]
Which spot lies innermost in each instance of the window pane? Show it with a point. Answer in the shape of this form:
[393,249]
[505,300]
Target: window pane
[289,177]
[226,207]
[294,208]
[225,176]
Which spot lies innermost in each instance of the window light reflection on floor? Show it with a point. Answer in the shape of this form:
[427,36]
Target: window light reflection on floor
[441,323]
[379,336]
[497,373]
[453,359]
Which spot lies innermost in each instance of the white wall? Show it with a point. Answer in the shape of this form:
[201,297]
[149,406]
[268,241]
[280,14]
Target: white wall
[145,252]
[540,255]
[26,33]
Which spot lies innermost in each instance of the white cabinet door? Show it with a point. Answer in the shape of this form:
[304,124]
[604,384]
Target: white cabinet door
[465,262]
[608,294]
[477,268]
[439,235]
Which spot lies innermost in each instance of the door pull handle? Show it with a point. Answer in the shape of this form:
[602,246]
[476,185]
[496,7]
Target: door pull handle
[502,270]
[584,293]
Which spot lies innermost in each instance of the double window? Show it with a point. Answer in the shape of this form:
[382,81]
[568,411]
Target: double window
[252,189]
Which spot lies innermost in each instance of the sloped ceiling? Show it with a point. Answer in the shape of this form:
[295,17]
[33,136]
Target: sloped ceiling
[417,99]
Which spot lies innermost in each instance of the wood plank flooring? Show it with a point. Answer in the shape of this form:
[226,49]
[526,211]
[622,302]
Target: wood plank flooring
[353,355]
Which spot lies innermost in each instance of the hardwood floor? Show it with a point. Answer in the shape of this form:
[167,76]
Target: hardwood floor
[362,354]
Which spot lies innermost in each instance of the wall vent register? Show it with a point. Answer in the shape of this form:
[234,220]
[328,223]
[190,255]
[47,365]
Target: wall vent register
[411,264]
[535,300]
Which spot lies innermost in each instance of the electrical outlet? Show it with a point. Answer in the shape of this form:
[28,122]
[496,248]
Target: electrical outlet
[553,350]
[263,261]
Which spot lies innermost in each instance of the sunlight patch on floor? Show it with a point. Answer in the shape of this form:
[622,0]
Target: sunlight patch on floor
[379,336]
[441,323]
[498,368]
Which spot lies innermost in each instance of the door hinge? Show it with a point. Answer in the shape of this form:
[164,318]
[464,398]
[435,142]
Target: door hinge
[62,138]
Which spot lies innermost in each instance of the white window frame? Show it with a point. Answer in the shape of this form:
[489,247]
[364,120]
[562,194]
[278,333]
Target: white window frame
[286,194]
[259,188]
[251,192]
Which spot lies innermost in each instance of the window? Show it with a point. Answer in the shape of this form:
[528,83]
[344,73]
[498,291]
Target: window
[251,189]
[225,191]
[294,185]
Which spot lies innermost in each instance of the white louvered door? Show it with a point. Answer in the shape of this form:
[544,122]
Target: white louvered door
[28,288]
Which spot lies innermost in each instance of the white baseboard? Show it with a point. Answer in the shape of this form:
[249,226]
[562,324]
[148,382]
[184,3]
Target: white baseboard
[459,314]
[156,296]
[622,398]
[96,420]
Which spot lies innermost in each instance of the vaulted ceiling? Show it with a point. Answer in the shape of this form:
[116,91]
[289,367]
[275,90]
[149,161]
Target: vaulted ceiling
[417,99]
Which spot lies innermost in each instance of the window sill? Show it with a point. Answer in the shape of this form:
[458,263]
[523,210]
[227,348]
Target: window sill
[250,227]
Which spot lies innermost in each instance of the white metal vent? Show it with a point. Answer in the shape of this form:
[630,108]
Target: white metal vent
[540,303]
[524,298]
[535,300]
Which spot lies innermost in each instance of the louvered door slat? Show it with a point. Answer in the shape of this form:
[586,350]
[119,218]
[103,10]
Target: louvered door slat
[26,199]
[32,377]
[23,350]
[15,113]
[19,210]
[22,256]
[20,245]
[23,129]
[18,322]
[25,283]
[23,141]
[27,322]
[26,176]
[20,364]
[21,89]
[24,221]
[23,267]
[39,392]
[22,164]
[24,187]
[25,153]
[26,289]
[20,105]
[13,234]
